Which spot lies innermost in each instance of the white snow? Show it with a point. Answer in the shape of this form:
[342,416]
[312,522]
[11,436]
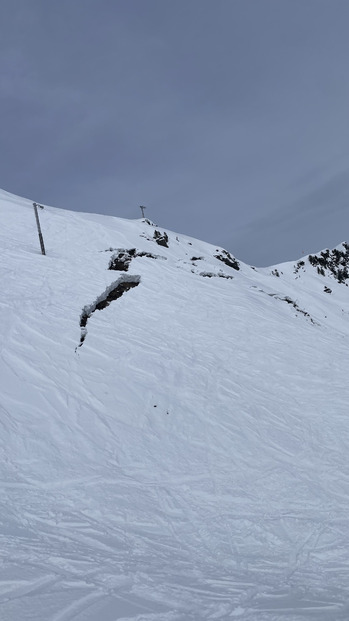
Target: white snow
[190,460]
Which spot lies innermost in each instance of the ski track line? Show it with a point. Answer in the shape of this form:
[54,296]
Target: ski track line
[77,607]
[26,589]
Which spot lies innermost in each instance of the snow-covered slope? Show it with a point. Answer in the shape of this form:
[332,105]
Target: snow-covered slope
[174,437]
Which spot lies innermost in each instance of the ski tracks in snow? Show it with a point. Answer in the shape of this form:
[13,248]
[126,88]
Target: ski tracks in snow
[190,466]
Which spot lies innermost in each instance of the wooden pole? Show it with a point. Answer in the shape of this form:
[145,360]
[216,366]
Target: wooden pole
[39,228]
[142,210]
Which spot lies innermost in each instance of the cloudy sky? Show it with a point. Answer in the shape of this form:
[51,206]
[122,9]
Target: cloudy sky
[228,119]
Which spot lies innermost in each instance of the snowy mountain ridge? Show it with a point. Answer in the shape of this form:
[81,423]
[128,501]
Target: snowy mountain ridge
[174,426]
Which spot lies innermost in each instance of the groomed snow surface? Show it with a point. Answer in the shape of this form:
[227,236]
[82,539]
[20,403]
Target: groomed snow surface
[189,459]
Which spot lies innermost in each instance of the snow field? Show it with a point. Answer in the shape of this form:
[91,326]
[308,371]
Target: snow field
[189,460]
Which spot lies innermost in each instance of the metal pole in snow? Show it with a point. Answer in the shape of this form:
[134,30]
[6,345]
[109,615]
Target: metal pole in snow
[39,227]
[142,210]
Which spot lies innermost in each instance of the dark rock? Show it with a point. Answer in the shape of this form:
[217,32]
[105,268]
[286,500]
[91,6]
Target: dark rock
[213,275]
[112,292]
[161,238]
[299,265]
[334,261]
[121,261]
[226,258]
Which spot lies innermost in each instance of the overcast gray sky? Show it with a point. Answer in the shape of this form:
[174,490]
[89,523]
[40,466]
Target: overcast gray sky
[228,119]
